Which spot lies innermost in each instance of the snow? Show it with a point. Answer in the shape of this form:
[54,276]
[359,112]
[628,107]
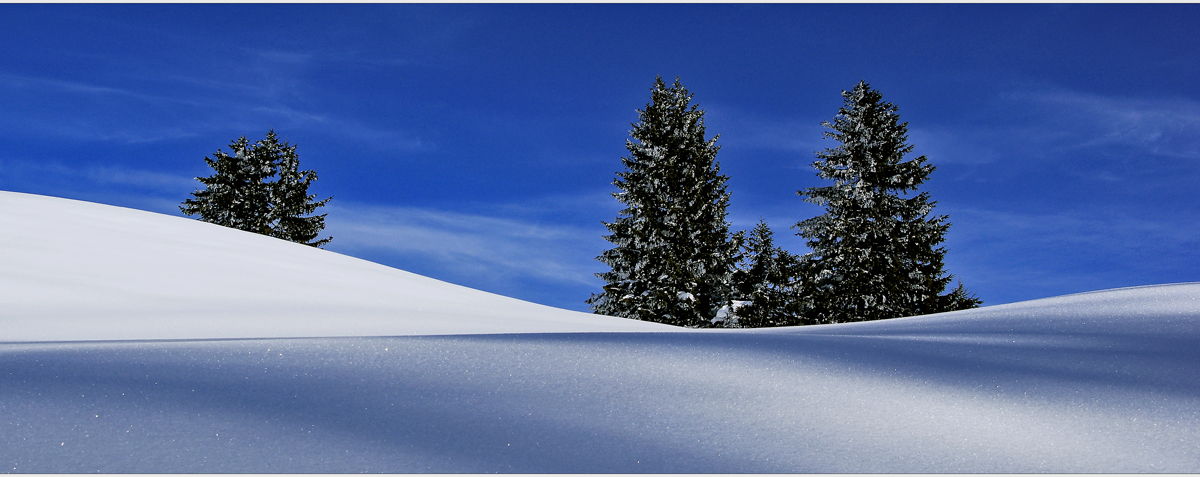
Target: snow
[352,379]
[74,270]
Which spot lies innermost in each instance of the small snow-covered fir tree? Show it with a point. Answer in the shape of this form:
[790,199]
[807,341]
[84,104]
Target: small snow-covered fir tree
[767,282]
[673,254]
[293,205]
[876,252]
[242,195]
[238,194]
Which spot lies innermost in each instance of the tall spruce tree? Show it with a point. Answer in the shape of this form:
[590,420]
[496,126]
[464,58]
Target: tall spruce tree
[876,252]
[673,255]
[768,283]
[242,195]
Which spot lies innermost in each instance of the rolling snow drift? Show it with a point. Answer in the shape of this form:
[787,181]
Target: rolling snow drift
[1095,382]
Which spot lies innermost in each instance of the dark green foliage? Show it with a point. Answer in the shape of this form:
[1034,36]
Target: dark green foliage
[876,252]
[673,254]
[958,299]
[294,206]
[240,194]
[768,283]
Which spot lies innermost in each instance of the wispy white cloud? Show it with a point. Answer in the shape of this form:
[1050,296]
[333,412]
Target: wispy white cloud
[741,129]
[1048,124]
[100,175]
[292,115]
[348,129]
[1167,127]
[106,184]
[598,203]
[496,247]
[72,87]
[1109,231]
[140,178]
[945,145]
[90,112]
[215,85]
[87,129]
[278,56]
[105,114]
[1032,254]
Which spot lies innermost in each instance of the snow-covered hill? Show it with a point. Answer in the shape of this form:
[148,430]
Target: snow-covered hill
[351,380]
[73,270]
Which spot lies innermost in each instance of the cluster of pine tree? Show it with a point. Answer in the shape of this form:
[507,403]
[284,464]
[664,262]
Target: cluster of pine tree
[876,253]
[260,188]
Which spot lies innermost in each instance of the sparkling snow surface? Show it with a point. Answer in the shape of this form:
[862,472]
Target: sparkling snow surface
[1096,382]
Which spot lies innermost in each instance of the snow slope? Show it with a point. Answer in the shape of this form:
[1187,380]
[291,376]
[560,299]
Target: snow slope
[1096,382]
[72,270]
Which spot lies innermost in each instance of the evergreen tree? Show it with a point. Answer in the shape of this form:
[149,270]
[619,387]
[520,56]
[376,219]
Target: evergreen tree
[673,254]
[876,252]
[767,283]
[240,194]
[293,205]
[237,195]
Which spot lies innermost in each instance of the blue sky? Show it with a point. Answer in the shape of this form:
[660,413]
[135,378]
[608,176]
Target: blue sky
[477,143]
